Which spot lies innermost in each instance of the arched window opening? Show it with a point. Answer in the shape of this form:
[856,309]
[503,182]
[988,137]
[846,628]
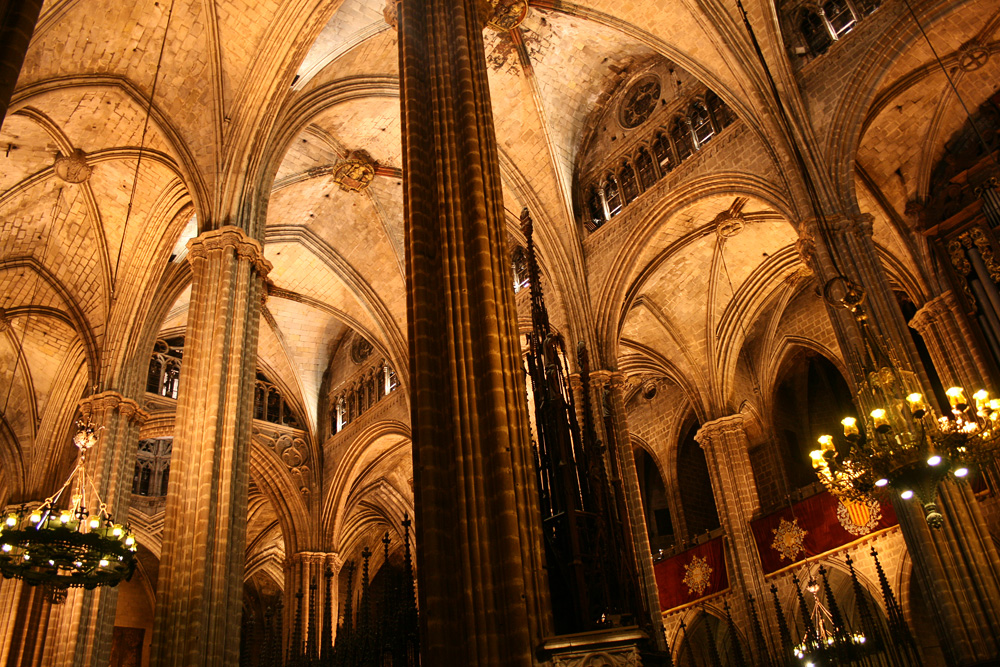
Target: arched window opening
[722,115]
[595,207]
[815,32]
[644,166]
[519,265]
[273,406]
[630,187]
[341,414]
[152,467]
[701,123]
[654,502]
[154,374]
[613,196]
[840,16]
[697,498]
[171,379]
[680,135]
[259,402]
[661,149]
[810,399]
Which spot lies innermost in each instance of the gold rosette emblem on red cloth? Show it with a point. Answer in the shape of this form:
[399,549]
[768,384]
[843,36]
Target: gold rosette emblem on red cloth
[789,539]
[697,575]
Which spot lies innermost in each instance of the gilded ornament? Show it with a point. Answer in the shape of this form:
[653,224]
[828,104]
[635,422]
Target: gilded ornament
[697,575]
[789,539]
[985,248]
[355,173]
[507,15]
[958,258]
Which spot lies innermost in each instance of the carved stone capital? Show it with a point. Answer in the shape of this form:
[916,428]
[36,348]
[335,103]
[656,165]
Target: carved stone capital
[225,238]
[931,312]
[617,380]
[600,378]
[97,407]
[719,429]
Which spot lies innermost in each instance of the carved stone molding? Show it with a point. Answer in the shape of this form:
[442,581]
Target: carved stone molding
[225,238]
[73,168]
[355,173]
[292,450]
[507,15]
[97,406]
[718,428]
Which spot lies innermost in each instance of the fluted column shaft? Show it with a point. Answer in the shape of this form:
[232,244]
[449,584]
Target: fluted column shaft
[620,444]
[958,570]
[199,596]
[17,23]
[25,616]
[301,570]
[727,454]
[957,360]
[478,534]
[86,622]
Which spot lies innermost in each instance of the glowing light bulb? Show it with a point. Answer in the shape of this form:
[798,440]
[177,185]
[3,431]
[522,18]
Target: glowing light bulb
[881,423]
[917,405]
[35,517]
[981,398]
[104,563]
[11,520]
[882,482]
[6,548]
[116,531]
[906,495]
[850,427]
[934,460]
[956,397]
[961,472]
[65,517]
[94,522]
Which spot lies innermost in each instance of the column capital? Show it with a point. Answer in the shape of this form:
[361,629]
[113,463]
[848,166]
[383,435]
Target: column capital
[931,311]
[331,559]
[229,237]
[718,428]
[97,406]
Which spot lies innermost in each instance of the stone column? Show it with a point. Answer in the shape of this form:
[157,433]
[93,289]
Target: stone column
[958,570]
[727,454]
[304,570]
[17,23]
[483,596]
[957,360]
[82,626]
[24,621]
[199,596]
[620,445]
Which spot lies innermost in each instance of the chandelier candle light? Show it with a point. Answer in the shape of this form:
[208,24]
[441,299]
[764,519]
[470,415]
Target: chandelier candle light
[68,547]
[904,446]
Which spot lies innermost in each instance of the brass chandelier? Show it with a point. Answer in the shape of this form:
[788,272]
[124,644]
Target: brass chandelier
[901,444]
[72,546]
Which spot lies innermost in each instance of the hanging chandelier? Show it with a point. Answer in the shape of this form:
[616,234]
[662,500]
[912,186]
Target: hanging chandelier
[901,444]
[72,546]
[827,642]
